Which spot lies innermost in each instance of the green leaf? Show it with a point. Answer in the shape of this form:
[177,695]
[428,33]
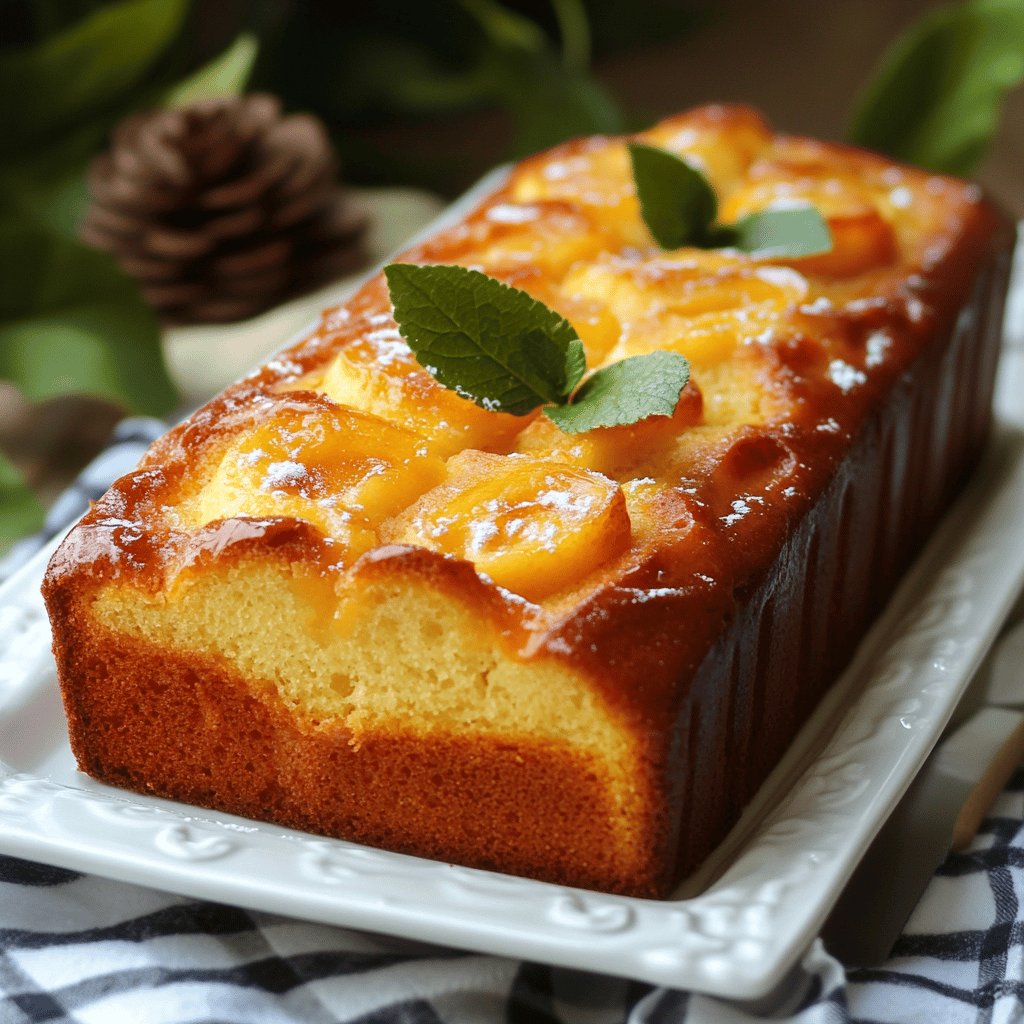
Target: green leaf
[507,352]
[396,74]
[506,27]
[20,511]
[936,97]
[575,33]
[550,104]
[625,392]
[75,75]
[679,208]
[785,232]
[493,344]
[620,27]
[676,201]
[549,95]
[48,17]
[71,322]
[47,186]
[225,75]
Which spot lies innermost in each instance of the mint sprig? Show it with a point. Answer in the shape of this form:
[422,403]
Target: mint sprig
[491,343]
[679,207]
[22,512]
[501,348]
[625,392]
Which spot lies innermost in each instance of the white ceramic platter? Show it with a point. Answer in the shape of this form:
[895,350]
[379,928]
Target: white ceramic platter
[769,887]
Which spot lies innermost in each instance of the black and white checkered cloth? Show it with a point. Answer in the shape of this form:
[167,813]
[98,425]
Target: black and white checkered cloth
[77,948]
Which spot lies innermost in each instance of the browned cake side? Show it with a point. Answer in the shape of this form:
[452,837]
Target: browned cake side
[344,599]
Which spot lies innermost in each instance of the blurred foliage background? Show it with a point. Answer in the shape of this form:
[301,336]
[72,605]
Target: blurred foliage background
[431,93]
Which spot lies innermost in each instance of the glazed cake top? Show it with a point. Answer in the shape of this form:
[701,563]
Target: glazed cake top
[345,454]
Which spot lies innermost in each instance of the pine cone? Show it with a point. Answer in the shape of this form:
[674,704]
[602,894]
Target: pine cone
[223,208]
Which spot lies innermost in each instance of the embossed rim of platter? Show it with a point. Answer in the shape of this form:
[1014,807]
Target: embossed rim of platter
[779,873]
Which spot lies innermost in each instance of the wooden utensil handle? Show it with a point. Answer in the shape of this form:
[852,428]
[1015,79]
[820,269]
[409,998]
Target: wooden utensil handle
[988,787]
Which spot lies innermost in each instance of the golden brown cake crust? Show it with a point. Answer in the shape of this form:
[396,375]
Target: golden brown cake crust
[764,538]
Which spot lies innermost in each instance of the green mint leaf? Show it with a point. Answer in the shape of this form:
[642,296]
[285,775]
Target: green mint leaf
[507,352]
[20,511]
[936,98]
[783,233]
[493,344]
[624,393]
[679,207]
[676,202]
[72,323]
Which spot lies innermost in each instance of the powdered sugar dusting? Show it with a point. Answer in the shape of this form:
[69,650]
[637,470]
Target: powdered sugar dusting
[285,473]
[844,376]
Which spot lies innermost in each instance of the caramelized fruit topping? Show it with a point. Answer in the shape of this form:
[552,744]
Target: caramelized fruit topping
[340,469]
[534,526]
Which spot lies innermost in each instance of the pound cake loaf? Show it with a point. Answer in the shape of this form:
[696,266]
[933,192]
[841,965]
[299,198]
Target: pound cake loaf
[344,598]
